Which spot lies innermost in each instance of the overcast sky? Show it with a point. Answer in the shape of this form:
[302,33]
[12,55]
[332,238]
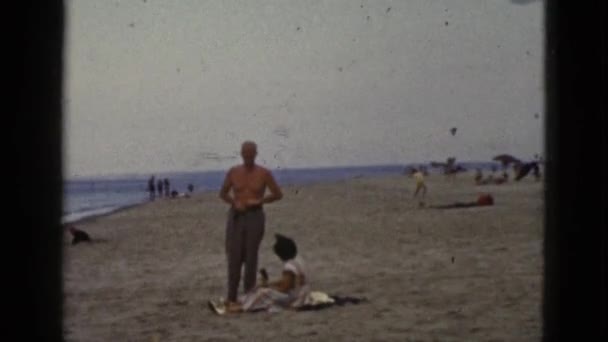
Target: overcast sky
[159,86]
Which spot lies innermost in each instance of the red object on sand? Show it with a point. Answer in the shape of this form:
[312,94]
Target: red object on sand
[485,199]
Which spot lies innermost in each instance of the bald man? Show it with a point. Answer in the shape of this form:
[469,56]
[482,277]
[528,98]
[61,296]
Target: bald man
[244,189]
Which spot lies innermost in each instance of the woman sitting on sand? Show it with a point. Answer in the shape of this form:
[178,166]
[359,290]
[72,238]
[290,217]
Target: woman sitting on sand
[288,292]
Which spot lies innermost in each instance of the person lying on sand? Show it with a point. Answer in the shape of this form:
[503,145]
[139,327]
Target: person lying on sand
[288,292]
[482,201]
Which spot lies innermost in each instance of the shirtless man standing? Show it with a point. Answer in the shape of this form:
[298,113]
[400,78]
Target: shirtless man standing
[246,219]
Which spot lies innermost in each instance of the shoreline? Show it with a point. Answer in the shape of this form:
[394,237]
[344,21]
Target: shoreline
[295,176]
[287,185]
[93,217]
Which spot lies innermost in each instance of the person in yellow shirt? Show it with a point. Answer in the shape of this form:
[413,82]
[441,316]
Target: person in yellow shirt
[419,178]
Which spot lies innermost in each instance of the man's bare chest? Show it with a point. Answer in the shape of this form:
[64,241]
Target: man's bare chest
[252,181]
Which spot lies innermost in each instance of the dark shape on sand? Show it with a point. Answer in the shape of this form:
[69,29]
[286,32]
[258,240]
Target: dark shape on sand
[536,116]
[299,28]
[446,23]
[340,69]
[79,235]
[131,25]
[506,159]
[174,194]
[388,10]
[453,130]
[525,169]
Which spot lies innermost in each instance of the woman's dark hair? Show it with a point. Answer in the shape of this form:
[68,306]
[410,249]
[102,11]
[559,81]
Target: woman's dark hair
[285,248]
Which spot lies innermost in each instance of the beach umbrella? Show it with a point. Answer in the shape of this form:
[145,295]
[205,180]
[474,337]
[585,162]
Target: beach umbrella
[506,159]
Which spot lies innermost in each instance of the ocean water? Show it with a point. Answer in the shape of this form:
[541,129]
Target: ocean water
[87,197]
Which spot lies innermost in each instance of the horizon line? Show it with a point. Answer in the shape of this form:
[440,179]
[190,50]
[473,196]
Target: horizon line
[148,173]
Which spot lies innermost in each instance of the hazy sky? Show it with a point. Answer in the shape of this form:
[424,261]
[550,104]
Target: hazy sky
[158,86]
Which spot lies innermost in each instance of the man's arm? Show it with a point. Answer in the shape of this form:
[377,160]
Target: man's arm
[275,191]
[225,190]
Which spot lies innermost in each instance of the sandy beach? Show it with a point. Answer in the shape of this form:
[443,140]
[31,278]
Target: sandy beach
[430,275]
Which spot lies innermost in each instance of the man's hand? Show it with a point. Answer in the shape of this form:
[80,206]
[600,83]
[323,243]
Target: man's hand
[253,202]
[239,206]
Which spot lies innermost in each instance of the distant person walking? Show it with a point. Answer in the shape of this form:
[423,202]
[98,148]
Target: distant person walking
[151,188]
[167,187]
[478,176]
[246,218]
[536,171]
[419,177]
[159,188]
